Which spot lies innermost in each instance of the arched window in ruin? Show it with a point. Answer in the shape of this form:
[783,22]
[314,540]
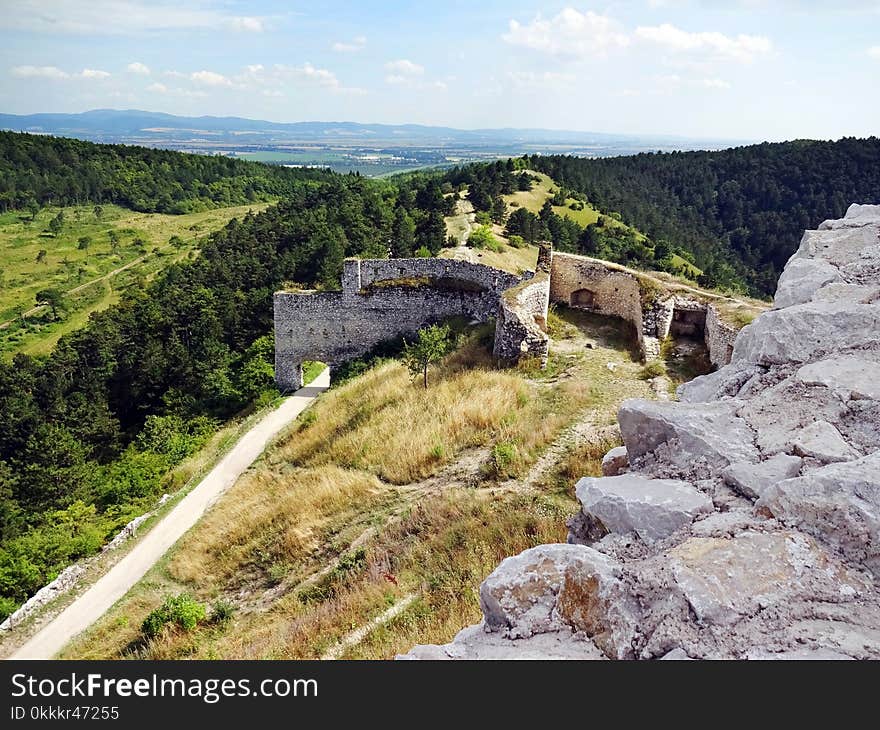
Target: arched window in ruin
[583,298]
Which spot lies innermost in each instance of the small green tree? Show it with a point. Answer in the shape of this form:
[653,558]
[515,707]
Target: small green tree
[482,237]
[84,242]
[57,223]
[432,344]
[98,211]
[41,256]
[54,298]
[32,207]
[114,240]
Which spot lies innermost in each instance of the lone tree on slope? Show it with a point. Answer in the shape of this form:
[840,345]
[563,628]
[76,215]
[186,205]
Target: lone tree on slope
[432,344]
[54,298]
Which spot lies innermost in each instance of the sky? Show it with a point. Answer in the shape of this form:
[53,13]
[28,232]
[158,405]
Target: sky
[737,69]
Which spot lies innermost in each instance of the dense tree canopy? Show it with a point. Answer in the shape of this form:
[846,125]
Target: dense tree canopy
[39,170]
[740,212]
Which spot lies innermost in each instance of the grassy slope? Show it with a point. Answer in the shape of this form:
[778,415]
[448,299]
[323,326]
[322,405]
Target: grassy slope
[345,514]
[533,200]
[66,266]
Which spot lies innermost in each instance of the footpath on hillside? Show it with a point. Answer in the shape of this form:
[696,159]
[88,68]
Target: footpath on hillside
[114,584]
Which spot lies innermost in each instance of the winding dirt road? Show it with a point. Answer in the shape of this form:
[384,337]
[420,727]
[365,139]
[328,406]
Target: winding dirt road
[114,584]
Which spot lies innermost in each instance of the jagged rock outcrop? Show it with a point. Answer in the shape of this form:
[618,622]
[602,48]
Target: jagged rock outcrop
[747,524]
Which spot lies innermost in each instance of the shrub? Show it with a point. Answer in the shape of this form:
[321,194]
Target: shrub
[516,241]
[482,237]
[222,612]
[505,456]
[181,611]
[652,369]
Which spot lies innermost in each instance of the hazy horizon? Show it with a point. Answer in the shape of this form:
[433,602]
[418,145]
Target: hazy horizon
[698,69]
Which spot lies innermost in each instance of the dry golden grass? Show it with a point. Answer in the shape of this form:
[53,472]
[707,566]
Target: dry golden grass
[442,548]
[389,426]
[269,518]
[317,539]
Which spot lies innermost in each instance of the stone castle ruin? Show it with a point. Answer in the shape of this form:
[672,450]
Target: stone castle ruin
[382,299]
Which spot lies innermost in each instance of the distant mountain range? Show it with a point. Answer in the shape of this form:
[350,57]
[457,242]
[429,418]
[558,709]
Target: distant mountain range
[159,129]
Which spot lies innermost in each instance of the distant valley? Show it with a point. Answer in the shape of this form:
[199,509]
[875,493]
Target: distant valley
[371,149]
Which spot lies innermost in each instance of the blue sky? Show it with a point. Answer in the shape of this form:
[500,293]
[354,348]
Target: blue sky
[744,69]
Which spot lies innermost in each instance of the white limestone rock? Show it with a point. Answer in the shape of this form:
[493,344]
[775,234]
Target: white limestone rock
[848,293]
[651,508]
[676,655]
[726,579]
[821,441]
[710,433]
[844,637]
[804,332]
[726,381]
[818,654]
[801,279]
[840,247]
[838,503]
[752,480]
[615,461]
[849,375]
[857,215]
[561,587]
[475,643]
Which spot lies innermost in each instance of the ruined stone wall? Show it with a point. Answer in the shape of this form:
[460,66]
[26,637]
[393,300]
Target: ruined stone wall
[338,326]
[335,327]
[719,338]
[372,271]
[614,293]
[658,323]
[522,316]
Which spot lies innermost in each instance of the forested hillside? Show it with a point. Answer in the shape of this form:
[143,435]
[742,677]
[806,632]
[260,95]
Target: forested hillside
[88,433]
[740,211]
[40,170]
[562,218]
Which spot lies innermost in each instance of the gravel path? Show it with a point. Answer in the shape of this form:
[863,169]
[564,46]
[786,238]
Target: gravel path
[114,584]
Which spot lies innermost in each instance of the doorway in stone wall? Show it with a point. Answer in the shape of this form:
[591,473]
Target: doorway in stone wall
[684,351]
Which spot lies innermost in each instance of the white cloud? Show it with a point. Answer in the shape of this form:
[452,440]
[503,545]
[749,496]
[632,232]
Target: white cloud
[716,46]
[404,67]
[271,92]
[158,88]
[127,17]
[320,76]
[714,83]
[314,76]
[53,73]
[874,52]
[136,67]
[547,79]
[45,72]
[247,24]
[210,78]
[355,45]
[91,73]
[569,33]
